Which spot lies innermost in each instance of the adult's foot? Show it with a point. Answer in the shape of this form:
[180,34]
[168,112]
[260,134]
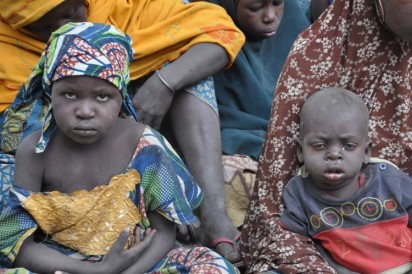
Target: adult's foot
[217,231]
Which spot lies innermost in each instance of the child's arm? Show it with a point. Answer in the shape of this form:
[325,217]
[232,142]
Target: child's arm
[42,259]
[162,243]
[29,167]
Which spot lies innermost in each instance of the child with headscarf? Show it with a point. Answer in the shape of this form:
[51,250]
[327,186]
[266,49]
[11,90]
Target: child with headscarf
[177,46]
[93,184]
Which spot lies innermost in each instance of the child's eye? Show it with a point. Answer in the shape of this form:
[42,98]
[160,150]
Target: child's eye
[253,9]
[277,2]
[102,97]
[318,146]
[348,146]
[70,95]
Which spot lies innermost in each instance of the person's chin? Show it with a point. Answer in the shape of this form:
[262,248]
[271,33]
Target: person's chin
[85,137]
[258,36]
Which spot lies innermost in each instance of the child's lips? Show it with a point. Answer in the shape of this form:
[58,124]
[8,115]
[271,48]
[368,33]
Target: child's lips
[334,174]
[82,131]
[270,32]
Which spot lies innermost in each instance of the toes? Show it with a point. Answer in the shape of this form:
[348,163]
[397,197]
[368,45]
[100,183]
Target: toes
[182,234]
[229,251]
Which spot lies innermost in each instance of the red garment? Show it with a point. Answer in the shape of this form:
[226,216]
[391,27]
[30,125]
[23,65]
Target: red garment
[347,47]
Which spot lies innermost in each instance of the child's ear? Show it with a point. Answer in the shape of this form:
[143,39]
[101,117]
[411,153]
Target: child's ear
[299,152]
[368,151]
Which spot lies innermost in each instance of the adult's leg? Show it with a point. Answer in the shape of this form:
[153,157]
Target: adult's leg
[197,132]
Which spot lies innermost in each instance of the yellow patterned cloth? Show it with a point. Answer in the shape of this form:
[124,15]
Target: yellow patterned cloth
[161,31]
[19,13]
[87,221]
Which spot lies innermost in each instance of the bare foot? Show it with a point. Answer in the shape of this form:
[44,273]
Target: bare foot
[218,232]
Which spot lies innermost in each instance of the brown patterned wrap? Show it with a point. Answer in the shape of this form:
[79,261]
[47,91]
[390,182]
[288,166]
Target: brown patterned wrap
[348,47]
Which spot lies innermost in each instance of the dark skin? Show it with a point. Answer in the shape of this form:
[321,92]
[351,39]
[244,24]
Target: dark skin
[197,133]
[334,146]
[259,19]
[334,143]
[397,17]
[200,141]
[87,142]
[67,11]
[317,7]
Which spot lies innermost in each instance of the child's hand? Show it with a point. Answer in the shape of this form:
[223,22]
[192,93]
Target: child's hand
[120,257]
[134,238]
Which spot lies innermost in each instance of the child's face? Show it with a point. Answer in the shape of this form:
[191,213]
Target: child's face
[67,11]
[259,19]
[333,148]
[85,108]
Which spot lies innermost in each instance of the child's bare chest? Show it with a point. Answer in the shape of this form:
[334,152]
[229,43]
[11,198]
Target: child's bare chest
[74,172]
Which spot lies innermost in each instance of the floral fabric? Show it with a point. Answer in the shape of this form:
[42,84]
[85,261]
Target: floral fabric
[347,47]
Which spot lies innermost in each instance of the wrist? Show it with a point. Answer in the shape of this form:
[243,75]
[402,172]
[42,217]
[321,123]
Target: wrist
[165,83]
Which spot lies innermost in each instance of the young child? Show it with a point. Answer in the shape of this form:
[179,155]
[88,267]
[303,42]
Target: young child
[96,173]
[358,211]
[178,46]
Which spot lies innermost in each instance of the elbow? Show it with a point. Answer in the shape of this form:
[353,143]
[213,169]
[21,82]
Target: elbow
[222,57]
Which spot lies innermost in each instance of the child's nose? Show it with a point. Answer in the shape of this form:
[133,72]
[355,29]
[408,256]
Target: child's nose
[269,15]
[334,154]
[85,110]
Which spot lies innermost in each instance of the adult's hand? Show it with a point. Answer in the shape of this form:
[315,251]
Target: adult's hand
[152,101]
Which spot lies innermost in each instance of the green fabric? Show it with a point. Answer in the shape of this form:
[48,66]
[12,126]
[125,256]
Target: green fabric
[245,91]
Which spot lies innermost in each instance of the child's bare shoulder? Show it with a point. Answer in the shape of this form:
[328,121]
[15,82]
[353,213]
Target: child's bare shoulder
[132,130]
[29,165]
[28,145]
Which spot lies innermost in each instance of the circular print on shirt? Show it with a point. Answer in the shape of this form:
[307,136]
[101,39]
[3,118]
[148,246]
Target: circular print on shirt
[370,208]
[332,217]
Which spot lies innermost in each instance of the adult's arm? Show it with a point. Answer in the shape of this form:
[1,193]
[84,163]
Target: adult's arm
[153,98]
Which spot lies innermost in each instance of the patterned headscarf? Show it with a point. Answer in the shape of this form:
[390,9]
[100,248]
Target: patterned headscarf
[20,13]
[78,49]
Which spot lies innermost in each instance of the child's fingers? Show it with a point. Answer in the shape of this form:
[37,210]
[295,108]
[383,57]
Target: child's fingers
[147,232]
[143,244]
[121,240]
[135,239]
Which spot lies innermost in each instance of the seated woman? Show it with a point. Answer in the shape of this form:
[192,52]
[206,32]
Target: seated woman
[163,33]
[245,91]
[360,45]
[88,177]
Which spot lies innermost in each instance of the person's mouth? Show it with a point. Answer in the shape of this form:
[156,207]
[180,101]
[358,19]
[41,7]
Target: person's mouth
[85,131]
[334,174]
[269,32]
